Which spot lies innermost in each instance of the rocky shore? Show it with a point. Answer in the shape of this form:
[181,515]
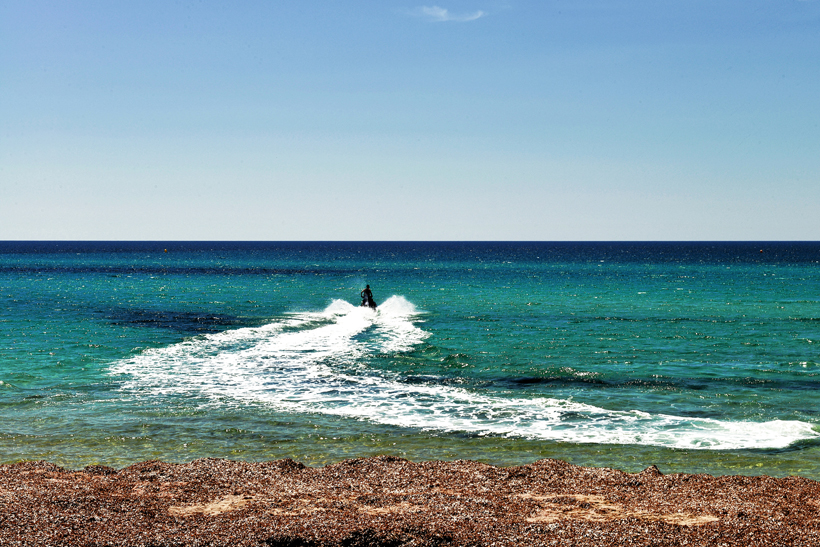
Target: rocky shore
[388,501]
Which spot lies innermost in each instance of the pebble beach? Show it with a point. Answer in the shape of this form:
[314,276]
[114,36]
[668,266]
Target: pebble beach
[389,501]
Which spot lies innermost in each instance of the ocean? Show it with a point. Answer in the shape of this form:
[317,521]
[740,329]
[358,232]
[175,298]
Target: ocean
[695,357]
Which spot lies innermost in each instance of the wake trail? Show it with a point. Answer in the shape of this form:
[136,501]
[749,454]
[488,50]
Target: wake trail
[312,362]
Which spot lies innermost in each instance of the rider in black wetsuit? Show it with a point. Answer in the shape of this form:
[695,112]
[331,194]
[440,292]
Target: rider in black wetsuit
[367,298]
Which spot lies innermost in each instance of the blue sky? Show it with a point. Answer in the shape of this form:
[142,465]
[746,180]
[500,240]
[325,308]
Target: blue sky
[386,120]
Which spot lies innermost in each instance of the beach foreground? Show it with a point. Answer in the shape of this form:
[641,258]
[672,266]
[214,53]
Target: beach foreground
[390,501]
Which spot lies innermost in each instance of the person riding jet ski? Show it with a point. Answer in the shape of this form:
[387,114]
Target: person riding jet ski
[367,298]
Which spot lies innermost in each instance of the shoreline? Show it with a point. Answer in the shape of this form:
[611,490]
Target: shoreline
[390,501]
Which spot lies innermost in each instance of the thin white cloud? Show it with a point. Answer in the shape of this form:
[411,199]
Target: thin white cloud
[438,14]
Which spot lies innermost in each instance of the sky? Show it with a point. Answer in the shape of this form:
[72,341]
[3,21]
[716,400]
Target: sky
[548,120]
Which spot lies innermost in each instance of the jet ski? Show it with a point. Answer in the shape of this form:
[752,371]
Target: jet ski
[367,298]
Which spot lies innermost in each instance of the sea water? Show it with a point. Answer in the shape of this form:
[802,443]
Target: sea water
[696,357]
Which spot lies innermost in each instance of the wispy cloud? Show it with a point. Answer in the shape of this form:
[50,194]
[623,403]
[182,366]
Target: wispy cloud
[438,14]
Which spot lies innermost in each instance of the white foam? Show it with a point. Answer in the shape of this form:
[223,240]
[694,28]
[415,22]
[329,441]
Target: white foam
[312,363]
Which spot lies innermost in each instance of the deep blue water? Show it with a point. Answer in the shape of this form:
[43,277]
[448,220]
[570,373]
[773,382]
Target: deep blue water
[692,356]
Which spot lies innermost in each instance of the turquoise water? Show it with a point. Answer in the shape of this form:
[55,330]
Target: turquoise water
[696,357]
